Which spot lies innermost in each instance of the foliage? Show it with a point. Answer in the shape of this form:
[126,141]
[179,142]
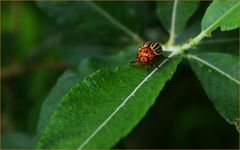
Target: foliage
[96,98]
[216,70]
[183,12]
[100,99]
[222,14]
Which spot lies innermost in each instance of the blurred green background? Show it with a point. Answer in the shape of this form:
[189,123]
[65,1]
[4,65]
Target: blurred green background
[36,49]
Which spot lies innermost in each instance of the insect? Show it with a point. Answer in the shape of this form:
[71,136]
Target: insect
[148,52]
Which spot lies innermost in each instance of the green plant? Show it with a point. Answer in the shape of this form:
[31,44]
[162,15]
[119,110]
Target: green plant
[91,107]
[97,111]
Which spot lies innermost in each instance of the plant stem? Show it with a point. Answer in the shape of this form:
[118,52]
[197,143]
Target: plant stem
[181,48]
[172,32]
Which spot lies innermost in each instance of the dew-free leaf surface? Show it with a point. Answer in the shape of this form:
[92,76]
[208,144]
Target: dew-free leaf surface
[97,19]
[223,14]
[74,75]
[219,75]
[104,107]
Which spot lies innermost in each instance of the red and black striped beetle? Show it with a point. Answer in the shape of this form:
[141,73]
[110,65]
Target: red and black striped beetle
[148,52]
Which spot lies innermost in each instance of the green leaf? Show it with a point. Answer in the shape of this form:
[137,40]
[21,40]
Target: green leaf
[224,14]
[93,29]
[96,19]
[74,75]
[218,74]
[105,106]
[174,15]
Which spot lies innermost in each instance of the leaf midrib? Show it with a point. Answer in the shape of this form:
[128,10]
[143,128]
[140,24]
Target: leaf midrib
[115,22]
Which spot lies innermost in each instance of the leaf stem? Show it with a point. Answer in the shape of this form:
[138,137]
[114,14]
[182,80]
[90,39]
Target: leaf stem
[118,24]
[181,48]
[193,42]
